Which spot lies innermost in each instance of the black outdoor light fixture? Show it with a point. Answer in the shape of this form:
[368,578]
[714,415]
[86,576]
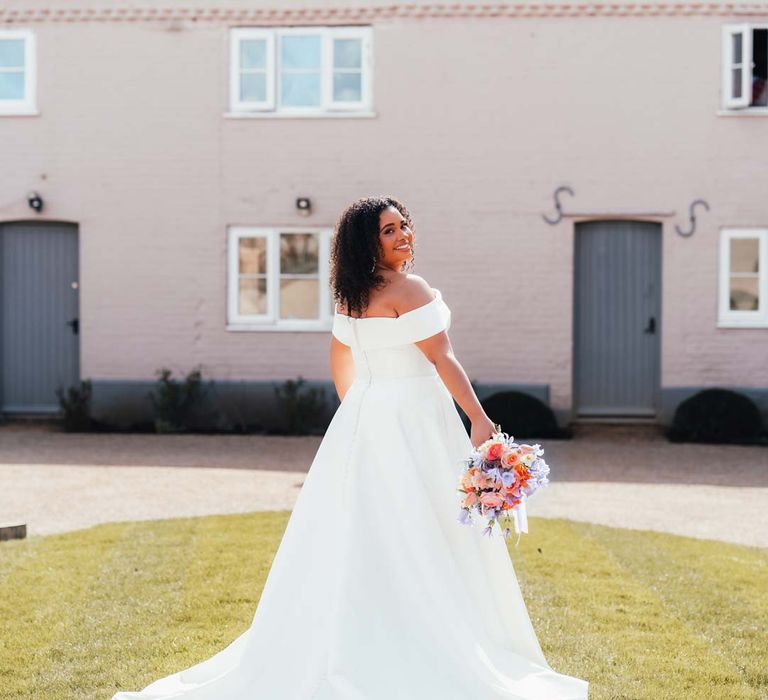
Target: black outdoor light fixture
[303,205]
[35,201]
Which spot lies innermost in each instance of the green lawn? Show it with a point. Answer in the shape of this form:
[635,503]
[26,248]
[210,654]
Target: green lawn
[638,614]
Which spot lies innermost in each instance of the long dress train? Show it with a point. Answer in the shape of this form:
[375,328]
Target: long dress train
[376,592]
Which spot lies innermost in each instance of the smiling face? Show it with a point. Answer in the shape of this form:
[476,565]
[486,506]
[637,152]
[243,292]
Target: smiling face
[395,239]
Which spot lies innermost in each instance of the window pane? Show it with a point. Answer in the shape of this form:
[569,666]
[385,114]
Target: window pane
[347,53]
[743,294]
[11,53]
[736,82]
[253,87]
[300,51]
[253,53]
[253,254]
[299,298]
[347,87]
[252,296]
[736,49]
[745,254]
[300,89]
[760,69]
[299,253]
[11,86]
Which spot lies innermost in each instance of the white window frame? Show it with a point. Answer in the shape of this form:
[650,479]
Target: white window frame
[26,105]
[739,104]
[730,318]
[328,106]
[270,321]
[236,36]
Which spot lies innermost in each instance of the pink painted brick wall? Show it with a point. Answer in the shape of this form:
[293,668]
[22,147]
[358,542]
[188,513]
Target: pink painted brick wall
[478,121]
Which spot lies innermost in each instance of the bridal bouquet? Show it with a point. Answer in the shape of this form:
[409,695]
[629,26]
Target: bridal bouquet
[500,475]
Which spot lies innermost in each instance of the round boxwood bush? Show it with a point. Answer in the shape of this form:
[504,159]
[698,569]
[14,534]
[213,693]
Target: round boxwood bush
[523,415]
[716,416]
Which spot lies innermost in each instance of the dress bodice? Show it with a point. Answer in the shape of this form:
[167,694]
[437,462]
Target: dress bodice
[385,346]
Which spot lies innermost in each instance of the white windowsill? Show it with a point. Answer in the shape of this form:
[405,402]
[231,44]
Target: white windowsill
[742,324]
[240,327]
[18,112]
[746,112]
[299,115]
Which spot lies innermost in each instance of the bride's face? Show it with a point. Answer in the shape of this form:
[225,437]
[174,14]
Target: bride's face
[395,239]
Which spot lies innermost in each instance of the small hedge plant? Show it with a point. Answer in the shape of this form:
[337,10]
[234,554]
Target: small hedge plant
[718,416]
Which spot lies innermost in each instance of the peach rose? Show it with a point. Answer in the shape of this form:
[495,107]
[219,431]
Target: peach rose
[466,479]
[471,499]
[492,499]
[481,481]
[509,459]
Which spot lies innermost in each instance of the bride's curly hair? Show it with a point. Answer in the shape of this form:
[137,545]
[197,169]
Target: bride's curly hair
[355,249]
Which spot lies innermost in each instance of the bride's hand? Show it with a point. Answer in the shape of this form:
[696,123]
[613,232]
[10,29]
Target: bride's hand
[482,429]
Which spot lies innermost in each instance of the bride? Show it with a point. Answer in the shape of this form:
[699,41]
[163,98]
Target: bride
[376,592]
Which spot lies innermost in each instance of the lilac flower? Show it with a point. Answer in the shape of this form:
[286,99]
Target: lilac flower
[494,472]
[508,478]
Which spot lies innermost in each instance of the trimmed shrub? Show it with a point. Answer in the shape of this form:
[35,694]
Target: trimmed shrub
[303,408]
[174,403]
[717,416]
[521,414]
[75,407]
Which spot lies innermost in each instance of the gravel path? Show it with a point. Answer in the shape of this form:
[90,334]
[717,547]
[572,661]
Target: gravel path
[613,475]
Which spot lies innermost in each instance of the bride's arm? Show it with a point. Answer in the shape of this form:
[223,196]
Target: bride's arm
[439,352]
[342,366]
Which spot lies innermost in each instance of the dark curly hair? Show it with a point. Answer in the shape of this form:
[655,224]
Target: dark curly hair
[356,248]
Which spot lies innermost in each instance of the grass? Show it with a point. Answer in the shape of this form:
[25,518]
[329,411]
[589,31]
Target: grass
[638,614]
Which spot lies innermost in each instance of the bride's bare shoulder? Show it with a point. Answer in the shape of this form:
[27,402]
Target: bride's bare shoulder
[411,292]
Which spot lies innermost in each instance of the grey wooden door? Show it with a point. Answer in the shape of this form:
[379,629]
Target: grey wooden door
[617,314]
[39,310]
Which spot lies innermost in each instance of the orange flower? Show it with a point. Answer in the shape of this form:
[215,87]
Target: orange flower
[510,459]
[471,499]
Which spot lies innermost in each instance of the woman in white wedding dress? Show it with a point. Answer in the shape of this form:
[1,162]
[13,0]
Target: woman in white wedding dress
[376,592]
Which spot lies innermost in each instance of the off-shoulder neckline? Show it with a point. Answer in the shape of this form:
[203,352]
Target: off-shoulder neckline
[437,297]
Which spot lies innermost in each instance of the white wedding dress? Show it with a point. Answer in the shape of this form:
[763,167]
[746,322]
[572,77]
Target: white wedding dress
[376,592]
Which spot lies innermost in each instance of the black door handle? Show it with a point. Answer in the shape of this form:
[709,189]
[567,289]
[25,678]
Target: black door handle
[651,328]
[75,324]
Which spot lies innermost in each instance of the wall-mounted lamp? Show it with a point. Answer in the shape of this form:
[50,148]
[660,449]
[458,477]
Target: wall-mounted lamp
[303,205]
[35,201]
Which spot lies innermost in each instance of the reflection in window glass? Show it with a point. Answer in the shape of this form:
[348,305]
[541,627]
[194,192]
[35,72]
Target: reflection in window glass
[300,71]
[253,70]
[11,86]
[744,294]
[253,254]
[300,52]
[760,68]
[299,298]
[299,275]
[347,70]
[11,53]
[253,87]
[347,87]
[300,89]
[253,53]
[299,253]
[252,296]
[347,53]
[744,274]
[11,69]
[745,254]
